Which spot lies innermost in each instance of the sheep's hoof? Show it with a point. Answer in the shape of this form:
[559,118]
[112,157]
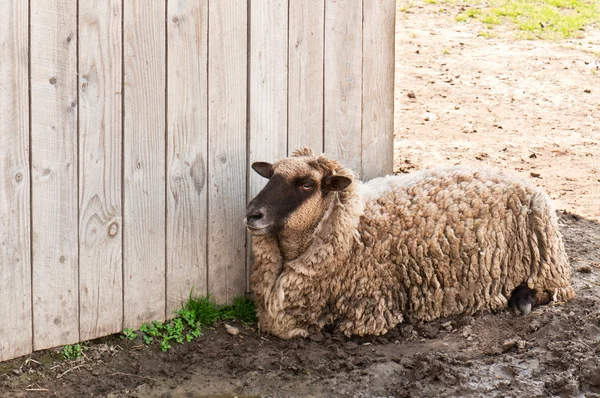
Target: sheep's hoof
[522,299]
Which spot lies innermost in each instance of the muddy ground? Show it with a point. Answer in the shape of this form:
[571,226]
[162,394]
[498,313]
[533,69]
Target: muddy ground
[528,106]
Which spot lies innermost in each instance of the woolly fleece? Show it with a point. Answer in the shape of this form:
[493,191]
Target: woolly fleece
[411,248]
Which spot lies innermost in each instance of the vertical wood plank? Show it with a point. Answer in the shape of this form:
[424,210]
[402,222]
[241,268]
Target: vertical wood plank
[100,265]
[54,172]
[268,85]
[343,80]
[268,105]
[378,88]
[305,124]
[15,264]
[187,25]
[144,162]
[227,81]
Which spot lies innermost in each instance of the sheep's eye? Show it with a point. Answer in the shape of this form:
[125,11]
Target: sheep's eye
[307,186]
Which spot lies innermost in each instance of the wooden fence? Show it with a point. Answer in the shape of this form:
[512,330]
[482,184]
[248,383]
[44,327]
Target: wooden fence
[127,128]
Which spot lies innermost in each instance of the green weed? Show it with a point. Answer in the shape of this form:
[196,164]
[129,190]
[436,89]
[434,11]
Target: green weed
[128,334]
[192,317]
[72,351]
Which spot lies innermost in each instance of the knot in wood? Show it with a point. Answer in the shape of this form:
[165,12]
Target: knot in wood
[113,229]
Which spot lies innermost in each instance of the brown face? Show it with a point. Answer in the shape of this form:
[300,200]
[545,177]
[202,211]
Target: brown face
[294,196]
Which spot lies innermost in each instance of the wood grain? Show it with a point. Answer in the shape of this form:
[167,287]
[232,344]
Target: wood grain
[268,91]
[378,88]
[343,80]
[54,172]
[268,86]
[305,89]
[144,162]
[15,262]
[100,165]
[227,81]
[187,25]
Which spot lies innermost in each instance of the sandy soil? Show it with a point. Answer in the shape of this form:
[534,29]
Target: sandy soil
[528,106]
[517,105]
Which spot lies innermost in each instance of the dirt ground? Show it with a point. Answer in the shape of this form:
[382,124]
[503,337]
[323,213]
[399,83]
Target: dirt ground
[529,106]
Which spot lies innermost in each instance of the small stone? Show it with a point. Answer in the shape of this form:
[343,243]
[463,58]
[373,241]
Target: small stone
[232,330]
[447,325]
[587,91]
[535,175]
[513,343]
[468,128]
[429,117]
[411,95]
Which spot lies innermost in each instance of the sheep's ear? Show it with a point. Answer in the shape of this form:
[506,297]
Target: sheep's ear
[335,183]
[263,168]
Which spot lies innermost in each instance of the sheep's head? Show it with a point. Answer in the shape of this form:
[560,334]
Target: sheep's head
[297,194]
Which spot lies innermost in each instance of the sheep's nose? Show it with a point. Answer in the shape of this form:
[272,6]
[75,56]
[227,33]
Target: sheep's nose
[255,214]
[258,220]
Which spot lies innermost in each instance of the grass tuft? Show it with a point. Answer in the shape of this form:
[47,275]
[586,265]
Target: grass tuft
[534,19]
[242,310]
[194,315]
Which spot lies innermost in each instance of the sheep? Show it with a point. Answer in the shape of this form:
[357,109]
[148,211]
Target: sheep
[364,257]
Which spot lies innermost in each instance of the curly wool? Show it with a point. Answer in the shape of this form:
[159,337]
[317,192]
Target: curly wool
[412,248]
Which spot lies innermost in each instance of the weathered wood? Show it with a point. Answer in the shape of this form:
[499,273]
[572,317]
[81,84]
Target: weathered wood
[268,86]
[267,135]
[187,30]
[343,79]
[54,172]
[144,162]
[100,140]
[305,75]
[15,262]
[139,174]
[378,88]
[227,82]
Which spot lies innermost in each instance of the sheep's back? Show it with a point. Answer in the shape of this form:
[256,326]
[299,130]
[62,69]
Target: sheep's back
[451,241]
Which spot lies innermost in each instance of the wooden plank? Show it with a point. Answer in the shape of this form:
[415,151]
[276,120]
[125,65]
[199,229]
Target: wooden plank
[267,138]
[378,88]
[15,262]
[100,226]
[227,80]
[343,79]
[305,123]
[187,137]
[144,162]
[268,85]
[54,172]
